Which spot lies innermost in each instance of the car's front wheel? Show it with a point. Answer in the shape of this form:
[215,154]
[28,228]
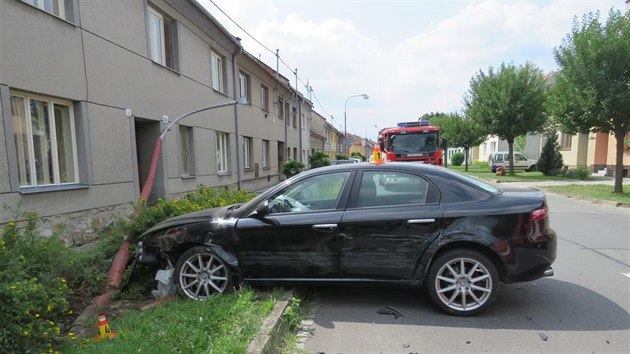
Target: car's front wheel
[200,273]
[462,282]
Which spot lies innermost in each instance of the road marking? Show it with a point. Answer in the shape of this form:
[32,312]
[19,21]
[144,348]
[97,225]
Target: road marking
[626,274]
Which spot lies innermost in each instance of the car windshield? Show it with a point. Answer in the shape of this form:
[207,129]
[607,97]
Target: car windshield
[411,143]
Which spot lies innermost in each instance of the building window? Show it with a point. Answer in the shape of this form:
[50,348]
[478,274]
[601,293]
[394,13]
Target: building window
[294,117]
[303,122]
[287,107]
[565,141]
[186,144]
[264,98]
[162,38]
[222,152]
[45,141]
[247,152]
[265,153]
[55,7]
[280,108]
[218,72]
[243,81]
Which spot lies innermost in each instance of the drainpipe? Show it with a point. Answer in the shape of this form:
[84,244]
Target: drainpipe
[239,178]
[297,98]
[286,114]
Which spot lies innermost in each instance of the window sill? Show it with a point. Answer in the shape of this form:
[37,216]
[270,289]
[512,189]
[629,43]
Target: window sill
[45,189]
[166,67]
[248,169]
[222,174]
[266,168]
[184,177]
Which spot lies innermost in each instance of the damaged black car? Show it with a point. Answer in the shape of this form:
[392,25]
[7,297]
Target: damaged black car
[341,224]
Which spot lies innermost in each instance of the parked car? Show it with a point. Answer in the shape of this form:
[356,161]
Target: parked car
[521,162]
[456,234]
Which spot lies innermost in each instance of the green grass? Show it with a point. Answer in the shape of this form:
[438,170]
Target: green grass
[601,192]
[223,324]
[519,176]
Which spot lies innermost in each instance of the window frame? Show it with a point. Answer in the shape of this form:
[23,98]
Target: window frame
[566,141]
[244,85]
[52,131]
[266,146]
[247,152]
[61,7]
[187,147]
[217,71]
[167,32]
[222,152]
[264,98]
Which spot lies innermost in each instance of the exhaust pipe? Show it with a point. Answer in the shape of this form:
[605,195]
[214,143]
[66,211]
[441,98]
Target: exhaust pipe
[548,272]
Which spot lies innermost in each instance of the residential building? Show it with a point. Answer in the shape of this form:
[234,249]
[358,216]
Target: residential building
[87,87]
[318,137]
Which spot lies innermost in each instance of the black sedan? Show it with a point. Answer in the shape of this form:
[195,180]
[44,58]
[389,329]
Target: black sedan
[394,223]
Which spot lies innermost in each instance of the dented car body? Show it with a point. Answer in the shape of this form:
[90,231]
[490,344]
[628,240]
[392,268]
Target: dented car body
[455,234]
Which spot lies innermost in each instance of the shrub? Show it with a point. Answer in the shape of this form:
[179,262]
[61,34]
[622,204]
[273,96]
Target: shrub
[550,160]
[481,164]
[318,159]
[33,289]
[457,159]
[340,156]
[580,173]
[358,155]
[203,198]
[292,168]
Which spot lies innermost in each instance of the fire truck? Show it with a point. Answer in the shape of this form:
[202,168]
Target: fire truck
[412,141]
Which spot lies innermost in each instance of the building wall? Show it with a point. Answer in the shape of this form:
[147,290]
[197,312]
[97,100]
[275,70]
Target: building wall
[99,61]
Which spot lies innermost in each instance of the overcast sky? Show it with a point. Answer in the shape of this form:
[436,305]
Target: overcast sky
[410,56]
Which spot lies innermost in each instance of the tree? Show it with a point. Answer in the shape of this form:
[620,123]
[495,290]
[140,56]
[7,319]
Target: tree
[591,92]
[318,159]
[550,160]
[507,102]
[463,132]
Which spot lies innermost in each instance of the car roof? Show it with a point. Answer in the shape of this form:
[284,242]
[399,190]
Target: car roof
[404,166]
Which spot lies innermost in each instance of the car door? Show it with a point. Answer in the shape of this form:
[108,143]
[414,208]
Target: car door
[520,161]
[391,218]
[296,235]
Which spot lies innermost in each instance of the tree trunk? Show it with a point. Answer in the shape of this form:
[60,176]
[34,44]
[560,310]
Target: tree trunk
[510,142]
[466,159]
[619,135]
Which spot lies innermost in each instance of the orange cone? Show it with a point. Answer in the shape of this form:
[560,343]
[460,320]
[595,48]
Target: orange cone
[377,155]
[104,332]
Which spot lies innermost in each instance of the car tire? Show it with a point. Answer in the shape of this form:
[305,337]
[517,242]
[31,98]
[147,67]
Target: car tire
[200,273]
[532,168]
[467,292]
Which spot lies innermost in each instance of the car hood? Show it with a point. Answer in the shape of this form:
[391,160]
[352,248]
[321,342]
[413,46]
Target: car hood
[206,215]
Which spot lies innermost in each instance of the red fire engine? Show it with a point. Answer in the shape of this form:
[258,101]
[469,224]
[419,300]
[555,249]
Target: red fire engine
[412,141]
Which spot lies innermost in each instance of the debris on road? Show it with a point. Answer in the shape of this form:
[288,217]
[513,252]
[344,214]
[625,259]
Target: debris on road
[389,310]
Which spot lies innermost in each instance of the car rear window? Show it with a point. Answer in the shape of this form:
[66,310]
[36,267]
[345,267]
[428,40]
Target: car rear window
[461,188]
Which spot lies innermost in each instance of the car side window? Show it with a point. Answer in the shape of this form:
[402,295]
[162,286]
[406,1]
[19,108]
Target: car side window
[498,157]
[520,157]
[314,193]
[384,188]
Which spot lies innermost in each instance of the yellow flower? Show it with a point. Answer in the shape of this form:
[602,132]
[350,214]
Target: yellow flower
[49,308]
[25,333]
[36,315]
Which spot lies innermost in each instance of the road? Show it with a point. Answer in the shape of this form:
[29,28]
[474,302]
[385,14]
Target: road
[583,308]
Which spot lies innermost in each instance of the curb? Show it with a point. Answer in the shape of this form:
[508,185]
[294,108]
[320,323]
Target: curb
[272,328]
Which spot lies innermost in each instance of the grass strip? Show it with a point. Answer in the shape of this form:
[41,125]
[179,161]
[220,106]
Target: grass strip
[595,191]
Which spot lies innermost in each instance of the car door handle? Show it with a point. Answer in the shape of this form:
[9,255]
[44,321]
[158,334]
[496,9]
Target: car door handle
[420,221]
[324,227]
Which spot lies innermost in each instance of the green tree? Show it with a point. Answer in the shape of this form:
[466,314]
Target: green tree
[464,132]
[358,155]
[550,161]
[318,159]
[292,168]
[508,102]
[591,92]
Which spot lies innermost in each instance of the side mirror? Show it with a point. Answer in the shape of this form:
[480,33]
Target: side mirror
[262,209]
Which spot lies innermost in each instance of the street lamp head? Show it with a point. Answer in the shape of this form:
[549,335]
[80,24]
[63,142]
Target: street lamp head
[242,100]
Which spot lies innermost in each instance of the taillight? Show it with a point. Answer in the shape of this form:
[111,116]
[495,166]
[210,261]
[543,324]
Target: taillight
[537,224]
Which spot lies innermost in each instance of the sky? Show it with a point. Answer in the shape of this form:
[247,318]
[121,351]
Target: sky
[410,57]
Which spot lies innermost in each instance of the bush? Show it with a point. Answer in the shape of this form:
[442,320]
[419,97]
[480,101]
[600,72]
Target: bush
[481,164]
[580,173]
[318,159]
[33,289]
[340,156]
[550,161]
[292,168]
[457,159]
[358,155]
[203,198]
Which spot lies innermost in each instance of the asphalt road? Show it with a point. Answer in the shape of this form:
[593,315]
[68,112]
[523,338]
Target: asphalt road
[583,308]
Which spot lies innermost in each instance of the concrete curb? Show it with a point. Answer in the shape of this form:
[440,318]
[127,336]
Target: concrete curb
[272,328]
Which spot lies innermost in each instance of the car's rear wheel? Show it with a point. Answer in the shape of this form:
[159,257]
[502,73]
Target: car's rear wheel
[200,273]
[532,168]
[462,282]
